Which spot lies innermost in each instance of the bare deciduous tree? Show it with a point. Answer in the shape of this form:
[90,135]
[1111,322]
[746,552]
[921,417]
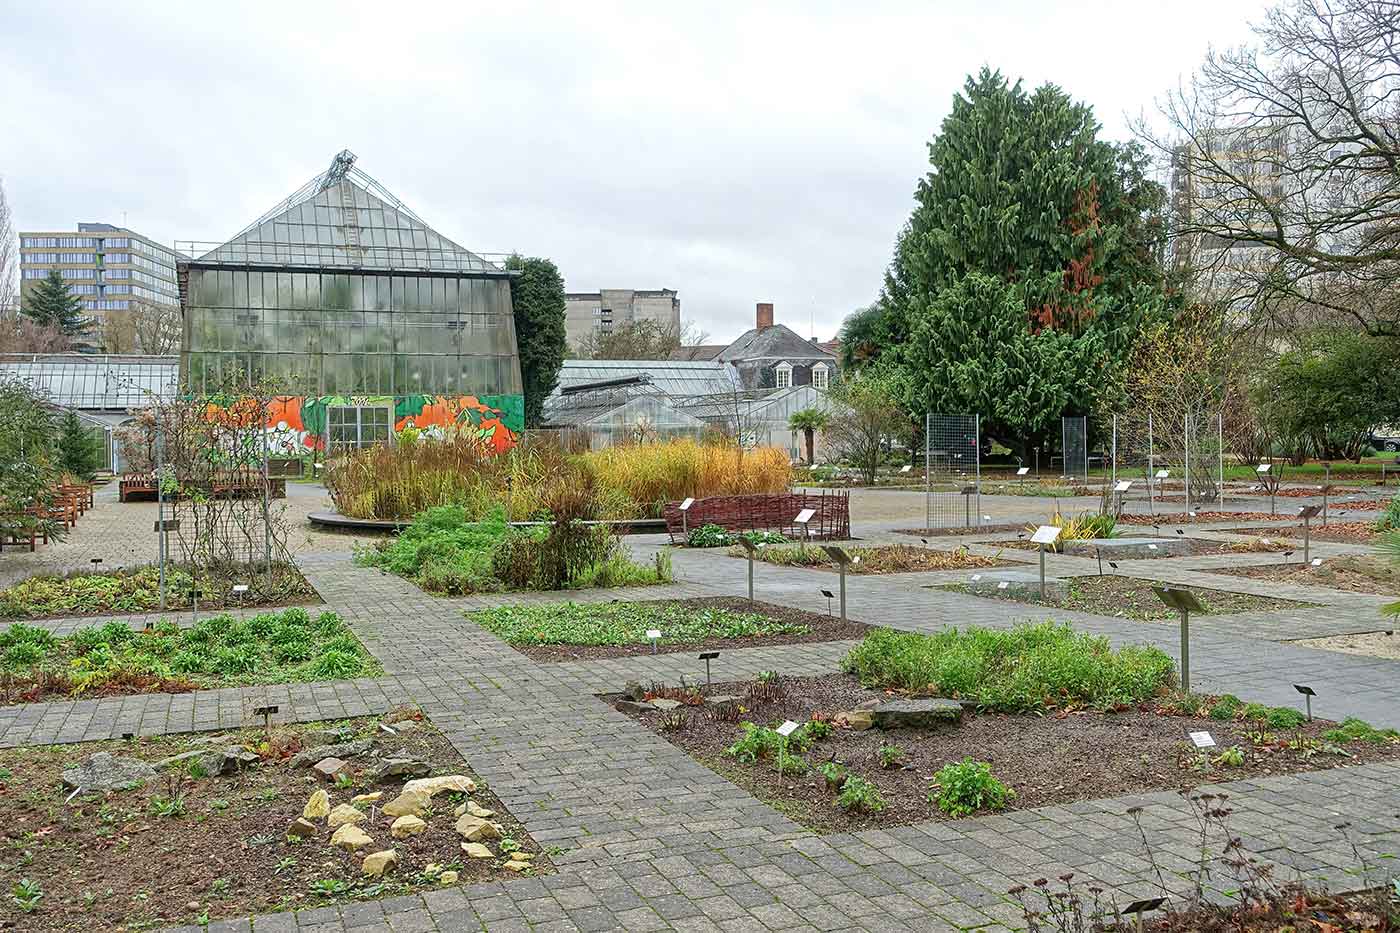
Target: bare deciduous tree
[1286,167]
[9,256]
[144,327]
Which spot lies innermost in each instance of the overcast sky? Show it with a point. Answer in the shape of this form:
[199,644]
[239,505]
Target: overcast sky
[736,152]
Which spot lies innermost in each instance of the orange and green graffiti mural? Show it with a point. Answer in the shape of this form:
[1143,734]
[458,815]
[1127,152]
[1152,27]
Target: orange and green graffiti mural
[297,424]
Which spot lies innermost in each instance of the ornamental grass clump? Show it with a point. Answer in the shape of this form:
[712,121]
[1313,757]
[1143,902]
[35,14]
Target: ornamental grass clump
[1030,667]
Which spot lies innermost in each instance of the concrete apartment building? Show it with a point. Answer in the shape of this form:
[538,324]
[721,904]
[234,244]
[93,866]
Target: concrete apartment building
[110,268]
[599,313]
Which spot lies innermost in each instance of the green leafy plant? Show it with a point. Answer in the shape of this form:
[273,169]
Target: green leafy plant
[817,729]
[1226,707]
[623,623]
[708,536]
[27,894]
[967,787]
[329,887]
[1283,717]
[1029,667]
[1358,730]
[834,772]
[890,756]
[1232,757]
[858,794]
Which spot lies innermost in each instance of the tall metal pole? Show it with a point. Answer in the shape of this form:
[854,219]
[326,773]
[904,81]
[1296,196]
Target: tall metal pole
[1151,469]
[1186,650]
[928,502]
[1115,450]
[843,591]
[1186,436]
[160,504]
[266,492]
[978,442]
[1220,454]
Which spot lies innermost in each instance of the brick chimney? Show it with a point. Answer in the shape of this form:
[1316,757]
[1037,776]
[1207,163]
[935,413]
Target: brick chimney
[764,316]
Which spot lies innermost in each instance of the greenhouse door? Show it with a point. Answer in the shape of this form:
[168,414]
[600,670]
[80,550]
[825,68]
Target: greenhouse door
[358,426]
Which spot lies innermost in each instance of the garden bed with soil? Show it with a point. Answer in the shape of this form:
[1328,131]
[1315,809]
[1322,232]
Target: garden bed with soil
[1380,644]
[587,632]
[1353,573]
[1194,547]
[137,590]
[1199,517]
[1342,532]
[987,529]
[893,558]
[185,849]
[1132,598]
[1044,759]
[291,646]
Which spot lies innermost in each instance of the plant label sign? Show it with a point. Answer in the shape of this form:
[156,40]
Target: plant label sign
[1163,474]
[1317,561]
[906,468]
[787,728]
[1263,468]
[686,504]
[1003,585]
[1202,739]
[653,633]
[240,588]
[976,577]
[708,655]
[1123,485]
[805,516]
[1023,471]
[1045,534]
[1152,547]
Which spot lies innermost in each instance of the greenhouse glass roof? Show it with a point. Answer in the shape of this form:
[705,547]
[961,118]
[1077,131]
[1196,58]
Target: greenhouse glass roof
[96,383]
[675,378]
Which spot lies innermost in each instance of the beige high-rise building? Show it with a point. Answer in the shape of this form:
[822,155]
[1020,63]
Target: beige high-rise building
[597,314]
[109,268]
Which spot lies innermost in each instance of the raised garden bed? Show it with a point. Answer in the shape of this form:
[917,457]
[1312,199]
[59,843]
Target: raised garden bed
[892,558]
[1353,573]
[1170,547]
[137,589]
[218,651]
[1043,759]
[189,845]
[1129,598]
[1343,532]
[985,529]
[580,632]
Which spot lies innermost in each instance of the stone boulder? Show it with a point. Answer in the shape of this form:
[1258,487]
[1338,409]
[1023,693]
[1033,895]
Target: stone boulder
[857,720]
[302,828]
[231,759]
[102,772]
[350,838]
[477,850]
[917,713]
[408,803]
[318,806]
[456,783]
[405,826]
[328,769]
[393,769]
[344,815]
[633,706]
[474,828]
[377,863]
[308,757]
[634,692]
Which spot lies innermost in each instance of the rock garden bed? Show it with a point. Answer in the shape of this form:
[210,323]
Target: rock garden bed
[1128,598]
[874,755]
[218,651]
[1178,546]
[580,632]
[1350,572]
[985,529]
[891,558]
[246,822]
[1343,532]
[137,590]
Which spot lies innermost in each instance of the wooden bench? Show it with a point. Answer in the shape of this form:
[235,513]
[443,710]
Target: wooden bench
[22,532]
[80,493]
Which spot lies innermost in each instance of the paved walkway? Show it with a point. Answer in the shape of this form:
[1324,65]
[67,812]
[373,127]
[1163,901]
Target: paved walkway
[652,840]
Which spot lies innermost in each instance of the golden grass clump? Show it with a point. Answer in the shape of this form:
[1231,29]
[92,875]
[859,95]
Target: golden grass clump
[653,474]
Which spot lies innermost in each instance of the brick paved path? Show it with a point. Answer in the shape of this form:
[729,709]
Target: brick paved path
[654,841]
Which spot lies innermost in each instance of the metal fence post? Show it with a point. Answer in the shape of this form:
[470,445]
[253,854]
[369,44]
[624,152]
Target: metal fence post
[1220,453]
[1186,436]
[977,475]
[928,489]
[1114,468]
[1151,469]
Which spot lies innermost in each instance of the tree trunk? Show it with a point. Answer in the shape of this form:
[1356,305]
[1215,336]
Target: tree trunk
[809,435]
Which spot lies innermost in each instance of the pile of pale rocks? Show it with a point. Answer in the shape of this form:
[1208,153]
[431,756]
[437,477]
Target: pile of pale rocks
[634,700]
[351,824]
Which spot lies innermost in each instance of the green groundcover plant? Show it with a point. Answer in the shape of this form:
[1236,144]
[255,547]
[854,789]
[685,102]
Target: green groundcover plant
[138,590]
[219,651]
[1029,667]
[624,623]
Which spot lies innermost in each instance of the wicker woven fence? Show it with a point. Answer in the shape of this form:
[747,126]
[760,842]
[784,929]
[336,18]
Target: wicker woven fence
[831,518]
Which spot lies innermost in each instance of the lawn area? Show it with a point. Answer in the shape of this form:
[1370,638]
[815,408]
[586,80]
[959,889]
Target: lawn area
[218,651]
[204,833]
[1132,598]
[576,631]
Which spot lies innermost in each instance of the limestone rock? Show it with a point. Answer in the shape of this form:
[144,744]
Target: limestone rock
[634,692]
[344,815]
[917,713]
[666,705]
[367,798]
[328,769]
[449,877]
[475,829]
[857,720]
[394,768]
[377,863]
[721,698]
[406,804]
[103,772]
[229,760]
[457,783]
[318,806]
[633,706]
[477,850]
[307,758]
[516,865]
[319,738]
[180,759]
[476,809]
[406,826]
[302,828]
[350,838]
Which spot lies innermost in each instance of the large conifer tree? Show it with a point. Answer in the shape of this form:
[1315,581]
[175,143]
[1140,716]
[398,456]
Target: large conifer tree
[1022,276]
[52,304]
[537,296]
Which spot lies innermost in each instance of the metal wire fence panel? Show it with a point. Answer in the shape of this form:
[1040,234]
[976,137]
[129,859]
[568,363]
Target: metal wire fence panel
[952,471]
[1187,448]
[1075,446]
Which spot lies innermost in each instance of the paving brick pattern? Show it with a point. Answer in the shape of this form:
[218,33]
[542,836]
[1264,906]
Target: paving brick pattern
[652,840]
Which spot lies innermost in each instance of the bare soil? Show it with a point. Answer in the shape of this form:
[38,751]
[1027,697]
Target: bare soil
[1045,759]
[823,628]
[1131,598]
[1196,546]
[1382,644]
[954,532]
[892,558]
[1343,532]
[111,862]
[1353,573]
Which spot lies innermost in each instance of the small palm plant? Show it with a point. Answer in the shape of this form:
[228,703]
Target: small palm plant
[809,421]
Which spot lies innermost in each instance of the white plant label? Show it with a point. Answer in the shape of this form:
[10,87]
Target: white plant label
[653,633]
[787,728]
[1003,585]
[1203,739]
